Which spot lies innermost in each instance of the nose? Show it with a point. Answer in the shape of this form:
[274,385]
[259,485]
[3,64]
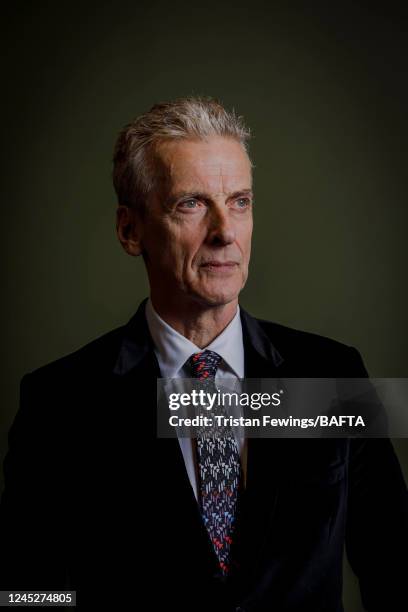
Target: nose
[221,230]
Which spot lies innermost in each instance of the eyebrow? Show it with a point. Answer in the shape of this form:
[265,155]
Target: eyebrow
[206,197]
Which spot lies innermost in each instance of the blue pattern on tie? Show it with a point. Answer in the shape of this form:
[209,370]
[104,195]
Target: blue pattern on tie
[219,471]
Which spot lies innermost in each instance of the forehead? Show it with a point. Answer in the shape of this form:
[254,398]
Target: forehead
[217,163]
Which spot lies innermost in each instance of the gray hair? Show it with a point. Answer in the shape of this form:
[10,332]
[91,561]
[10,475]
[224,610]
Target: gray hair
[184,118]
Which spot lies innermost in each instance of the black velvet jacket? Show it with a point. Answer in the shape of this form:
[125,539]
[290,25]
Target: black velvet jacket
[93,501]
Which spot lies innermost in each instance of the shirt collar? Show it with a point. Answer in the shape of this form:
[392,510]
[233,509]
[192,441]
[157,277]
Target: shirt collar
[173,349]
[136,346]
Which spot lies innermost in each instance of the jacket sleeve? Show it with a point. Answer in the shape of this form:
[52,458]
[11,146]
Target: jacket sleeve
[377,521]
[31,534]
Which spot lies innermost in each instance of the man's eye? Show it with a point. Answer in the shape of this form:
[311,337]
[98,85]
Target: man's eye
[243,202]
[191,203]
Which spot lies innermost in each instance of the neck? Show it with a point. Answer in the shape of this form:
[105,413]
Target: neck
[199,324]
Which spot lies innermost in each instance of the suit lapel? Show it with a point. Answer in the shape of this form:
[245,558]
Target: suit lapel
[262,360]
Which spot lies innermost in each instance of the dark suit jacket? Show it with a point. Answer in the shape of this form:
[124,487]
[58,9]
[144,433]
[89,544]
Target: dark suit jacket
[95,502]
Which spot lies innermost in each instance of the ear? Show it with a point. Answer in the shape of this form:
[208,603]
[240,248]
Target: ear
[129,230]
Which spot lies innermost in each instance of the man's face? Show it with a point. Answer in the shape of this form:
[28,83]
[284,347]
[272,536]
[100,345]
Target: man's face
[196,233]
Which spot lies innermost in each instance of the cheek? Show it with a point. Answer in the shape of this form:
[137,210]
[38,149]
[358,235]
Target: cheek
[165,244]
[177,255]
[245,242]
[188,246]
[174,245]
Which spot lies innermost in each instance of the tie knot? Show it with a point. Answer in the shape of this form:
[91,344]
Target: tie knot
[204,365]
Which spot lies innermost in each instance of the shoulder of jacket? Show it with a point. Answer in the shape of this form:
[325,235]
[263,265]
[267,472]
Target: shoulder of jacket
[99,354]
[284,337]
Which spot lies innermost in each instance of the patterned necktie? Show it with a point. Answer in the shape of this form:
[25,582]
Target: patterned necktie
[219,470]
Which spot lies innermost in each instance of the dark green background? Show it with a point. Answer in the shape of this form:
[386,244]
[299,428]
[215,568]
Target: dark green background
[325,92]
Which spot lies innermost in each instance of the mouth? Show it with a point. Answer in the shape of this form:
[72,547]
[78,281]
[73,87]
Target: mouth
[219,266]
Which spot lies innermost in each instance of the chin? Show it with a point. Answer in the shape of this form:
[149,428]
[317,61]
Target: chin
[217,296]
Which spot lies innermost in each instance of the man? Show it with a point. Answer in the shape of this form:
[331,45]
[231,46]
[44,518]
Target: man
[95,502]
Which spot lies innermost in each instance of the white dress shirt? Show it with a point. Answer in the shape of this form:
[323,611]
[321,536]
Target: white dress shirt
[172,350]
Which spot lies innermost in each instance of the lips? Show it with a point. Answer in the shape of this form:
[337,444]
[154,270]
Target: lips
[223,268]
[219,264]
